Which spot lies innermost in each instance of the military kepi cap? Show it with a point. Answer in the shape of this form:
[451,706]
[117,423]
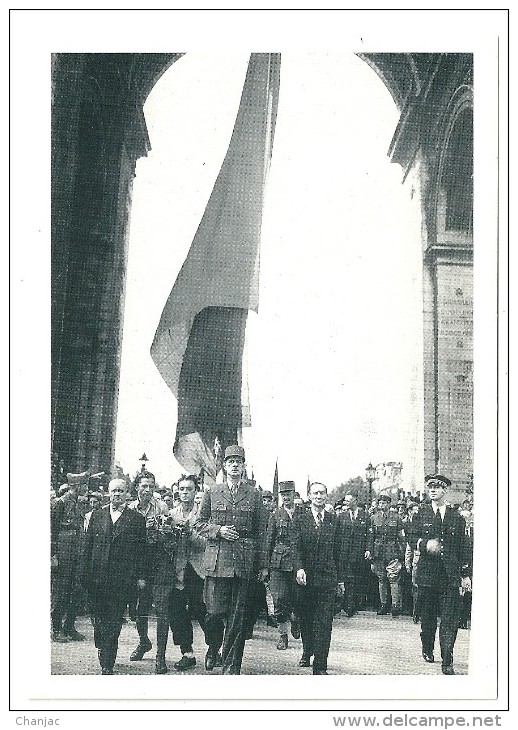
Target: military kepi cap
[286,487]
[231,452]
[438,479]
[78,479]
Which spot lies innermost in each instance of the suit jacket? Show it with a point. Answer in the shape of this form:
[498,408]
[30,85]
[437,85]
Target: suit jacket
[225,559]
[455,559]
[114,554]
[356,533]
[319,551]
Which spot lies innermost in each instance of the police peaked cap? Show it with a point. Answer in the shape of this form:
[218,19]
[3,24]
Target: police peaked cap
[385,497]
[438,479]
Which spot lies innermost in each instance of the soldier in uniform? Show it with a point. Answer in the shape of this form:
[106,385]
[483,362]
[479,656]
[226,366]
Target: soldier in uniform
[280,557]
[66,540]
[387,550]
[356,525]
[443,570]
[233,520]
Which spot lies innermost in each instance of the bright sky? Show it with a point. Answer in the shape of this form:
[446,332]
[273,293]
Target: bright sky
[335,353]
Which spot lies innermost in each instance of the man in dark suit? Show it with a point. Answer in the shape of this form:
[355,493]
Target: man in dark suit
[356,531]
[112,564]
[233,520]
[279,554]
[318,556]
[443,570]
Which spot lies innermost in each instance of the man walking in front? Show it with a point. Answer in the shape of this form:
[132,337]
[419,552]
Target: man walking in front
[233,520]
[319,565]
[112,564]
[443,570]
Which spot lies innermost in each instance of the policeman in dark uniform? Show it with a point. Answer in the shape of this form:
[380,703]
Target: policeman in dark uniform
[387,550]
[67,520]
[233,520]
[443,570]
[280,558]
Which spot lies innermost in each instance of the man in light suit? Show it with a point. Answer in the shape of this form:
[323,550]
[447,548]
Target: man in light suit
[319,561]
[233,520]
[443,570]
[112,565]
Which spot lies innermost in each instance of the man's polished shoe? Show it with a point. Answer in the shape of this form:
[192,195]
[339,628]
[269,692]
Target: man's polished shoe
[186,662]
[396,612]
[319,671]
[219,660]
[383,611]
[304,661]
[160,666]
[428,657]
[447,669]
[295,629]
[283,642]
[141,649]
[74,635]
[210,659]
[351,612]
[106,670]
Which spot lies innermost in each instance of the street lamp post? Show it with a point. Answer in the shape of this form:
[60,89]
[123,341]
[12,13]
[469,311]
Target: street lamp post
[370,475]
[143,459]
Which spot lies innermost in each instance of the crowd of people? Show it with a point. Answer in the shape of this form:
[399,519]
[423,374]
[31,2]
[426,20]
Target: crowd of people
[221,556]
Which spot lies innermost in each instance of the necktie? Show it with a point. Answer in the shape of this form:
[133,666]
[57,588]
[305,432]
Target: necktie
[320,517]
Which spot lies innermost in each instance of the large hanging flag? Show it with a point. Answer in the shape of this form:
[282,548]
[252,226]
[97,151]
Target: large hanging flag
[198,345]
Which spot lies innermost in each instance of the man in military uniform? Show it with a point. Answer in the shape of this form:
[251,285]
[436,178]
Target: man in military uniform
[356,525]
[233,520]
[387,550]
[280,558]
[443,570]
[150,508]
[66,539]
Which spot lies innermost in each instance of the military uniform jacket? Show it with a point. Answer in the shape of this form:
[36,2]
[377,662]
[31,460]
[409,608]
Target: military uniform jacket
[456,557]
[114,554]
[66,533]
[387,542]
[356,536]
[244,511]
[279,539]
[319,551]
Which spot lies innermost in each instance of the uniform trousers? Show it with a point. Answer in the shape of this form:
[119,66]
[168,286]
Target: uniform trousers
[389,581]
[108,608]
[316,622]
[283,588]
[353,587]
[226,601]
[65,591]
[442,600]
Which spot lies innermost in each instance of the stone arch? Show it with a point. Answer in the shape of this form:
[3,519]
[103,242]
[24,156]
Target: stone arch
[430,90]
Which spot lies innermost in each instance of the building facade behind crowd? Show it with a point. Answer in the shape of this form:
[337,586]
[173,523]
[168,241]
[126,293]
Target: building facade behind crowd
[214,578]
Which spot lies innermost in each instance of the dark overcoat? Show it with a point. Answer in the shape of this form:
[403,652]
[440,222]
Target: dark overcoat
[114,554]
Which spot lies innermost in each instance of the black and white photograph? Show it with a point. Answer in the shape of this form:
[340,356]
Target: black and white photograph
[256,316]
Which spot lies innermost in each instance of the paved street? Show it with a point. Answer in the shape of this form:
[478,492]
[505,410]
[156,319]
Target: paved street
[363,644]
